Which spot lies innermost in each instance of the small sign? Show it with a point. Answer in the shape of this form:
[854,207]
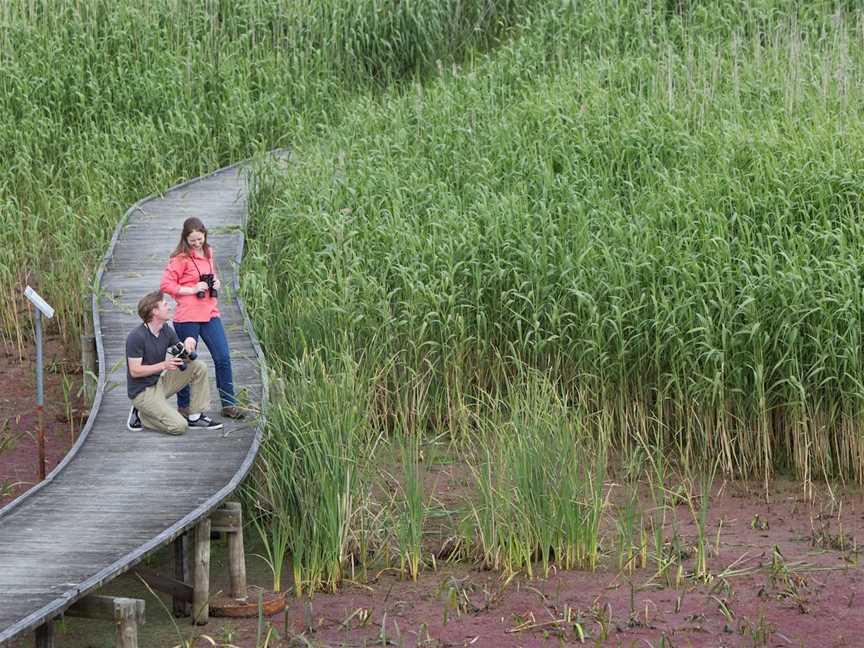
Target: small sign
[38,302]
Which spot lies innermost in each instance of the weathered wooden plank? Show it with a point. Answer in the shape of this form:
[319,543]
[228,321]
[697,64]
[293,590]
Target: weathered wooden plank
[110,608]
[236,555]
[178,589]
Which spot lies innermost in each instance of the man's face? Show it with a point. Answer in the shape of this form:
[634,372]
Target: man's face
[162,312]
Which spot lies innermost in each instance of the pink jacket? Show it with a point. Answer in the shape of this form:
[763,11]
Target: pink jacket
[183,270]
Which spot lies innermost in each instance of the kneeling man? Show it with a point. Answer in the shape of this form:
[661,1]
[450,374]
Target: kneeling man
[151,377]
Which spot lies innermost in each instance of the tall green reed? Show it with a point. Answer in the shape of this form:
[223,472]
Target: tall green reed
[411,511]
[267,497]
[698,496]
[316,426]
[540,494]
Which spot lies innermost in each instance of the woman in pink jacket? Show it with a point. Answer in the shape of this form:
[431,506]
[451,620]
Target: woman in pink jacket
[191,279]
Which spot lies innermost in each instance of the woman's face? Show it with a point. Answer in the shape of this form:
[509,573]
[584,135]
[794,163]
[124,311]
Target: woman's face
[195,240]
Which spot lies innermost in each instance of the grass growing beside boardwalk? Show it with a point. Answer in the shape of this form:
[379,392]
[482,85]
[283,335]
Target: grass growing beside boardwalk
[540,483]
[315,441]
[657,208]
[669,225]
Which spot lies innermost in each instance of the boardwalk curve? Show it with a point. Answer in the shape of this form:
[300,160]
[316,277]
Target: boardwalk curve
[118,495]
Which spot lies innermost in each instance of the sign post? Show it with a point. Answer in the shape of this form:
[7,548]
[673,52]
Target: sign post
[42,308]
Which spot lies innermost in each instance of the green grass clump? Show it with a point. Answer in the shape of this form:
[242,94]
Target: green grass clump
[314,450]
[540,483]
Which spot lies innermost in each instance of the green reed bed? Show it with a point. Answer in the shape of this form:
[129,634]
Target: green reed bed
[105,102]
[659,209]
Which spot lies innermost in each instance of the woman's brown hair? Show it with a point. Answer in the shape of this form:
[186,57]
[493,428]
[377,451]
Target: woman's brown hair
[191,225]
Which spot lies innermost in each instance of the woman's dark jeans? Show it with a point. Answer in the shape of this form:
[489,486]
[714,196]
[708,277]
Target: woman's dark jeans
[213,334]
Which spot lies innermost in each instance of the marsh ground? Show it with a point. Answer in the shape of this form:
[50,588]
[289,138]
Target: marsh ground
[783,570]
[783,573]
[62,420]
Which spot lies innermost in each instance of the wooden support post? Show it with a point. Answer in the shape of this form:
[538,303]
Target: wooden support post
[236,559]
[181,572]
[45,635]
[89,359]
[126,613]
[201,570]
[127,634]
[228,518]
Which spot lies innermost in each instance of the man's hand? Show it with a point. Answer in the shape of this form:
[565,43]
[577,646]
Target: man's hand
[217,284]
[172,363]
[140,370]
[190,344]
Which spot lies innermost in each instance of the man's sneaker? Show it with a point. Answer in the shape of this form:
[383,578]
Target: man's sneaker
[134,421]
[232,412]
[204,422]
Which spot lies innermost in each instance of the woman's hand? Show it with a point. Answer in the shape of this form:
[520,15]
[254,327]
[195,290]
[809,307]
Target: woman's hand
[201,286]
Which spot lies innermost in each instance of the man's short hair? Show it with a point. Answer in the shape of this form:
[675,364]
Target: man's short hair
[147,304]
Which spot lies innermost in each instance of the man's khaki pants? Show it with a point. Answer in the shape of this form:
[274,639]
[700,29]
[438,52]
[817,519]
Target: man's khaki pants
[152,404]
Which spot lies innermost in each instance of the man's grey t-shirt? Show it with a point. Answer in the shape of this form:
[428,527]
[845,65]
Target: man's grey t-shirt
[141,343]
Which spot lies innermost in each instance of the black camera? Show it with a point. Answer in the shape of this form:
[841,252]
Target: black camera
[179,351]
[209,279]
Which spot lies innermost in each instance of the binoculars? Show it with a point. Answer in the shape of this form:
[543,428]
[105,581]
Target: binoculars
[179,351]
[209,279]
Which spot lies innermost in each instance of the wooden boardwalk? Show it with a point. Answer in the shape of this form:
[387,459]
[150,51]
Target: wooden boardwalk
[119,495]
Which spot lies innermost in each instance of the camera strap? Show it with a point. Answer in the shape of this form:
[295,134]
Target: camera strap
[192,259]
